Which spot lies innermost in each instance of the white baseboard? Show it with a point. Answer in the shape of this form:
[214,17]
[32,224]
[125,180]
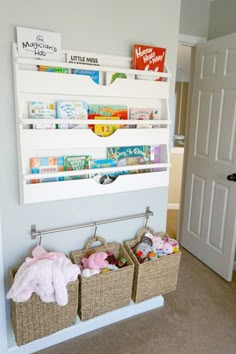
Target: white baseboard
[173,206]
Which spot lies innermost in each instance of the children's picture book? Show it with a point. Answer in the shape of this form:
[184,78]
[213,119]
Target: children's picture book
[112,76]
[148,58]
[103,163]
[46,165]
[156,156]
[104,130]
[148,114]
[53,69]
[84,58]
[72,110]
[42,110]
[72,163]
[129,156]
[38,44]
[94,74]
[108,111]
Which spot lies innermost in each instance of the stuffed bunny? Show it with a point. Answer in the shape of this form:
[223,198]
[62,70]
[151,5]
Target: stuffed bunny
[47,277]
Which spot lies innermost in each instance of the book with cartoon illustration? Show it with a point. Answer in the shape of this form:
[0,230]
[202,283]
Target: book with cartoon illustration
[148,58]
[107,112]
[42,110]
[46,165]
[73,163]
[72,110]
[148,114]
[105,129]
[130,156]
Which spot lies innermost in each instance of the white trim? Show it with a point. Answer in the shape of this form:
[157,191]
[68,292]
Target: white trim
[84,327]
[173,206]
[3,326]
[177,150]
[191,41]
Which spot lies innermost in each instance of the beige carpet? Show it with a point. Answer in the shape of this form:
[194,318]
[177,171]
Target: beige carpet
[198,318]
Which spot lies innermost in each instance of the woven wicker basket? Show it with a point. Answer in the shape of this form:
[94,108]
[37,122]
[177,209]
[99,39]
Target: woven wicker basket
[34,319]
[153,278]
[105,291]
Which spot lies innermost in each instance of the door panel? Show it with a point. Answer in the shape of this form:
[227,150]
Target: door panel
[226,127]
[209,216]
[218,216]
[203,123]
[197,196]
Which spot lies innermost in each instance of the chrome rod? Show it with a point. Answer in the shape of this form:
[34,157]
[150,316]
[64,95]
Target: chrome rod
[34,233]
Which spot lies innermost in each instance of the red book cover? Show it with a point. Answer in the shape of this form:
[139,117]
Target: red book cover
[148,58]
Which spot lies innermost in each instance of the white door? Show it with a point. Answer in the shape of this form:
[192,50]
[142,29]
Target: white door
[209,216]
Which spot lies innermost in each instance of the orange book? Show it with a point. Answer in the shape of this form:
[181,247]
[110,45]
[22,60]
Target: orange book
[148,58]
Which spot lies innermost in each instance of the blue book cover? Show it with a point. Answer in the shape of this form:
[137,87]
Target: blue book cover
[94,74]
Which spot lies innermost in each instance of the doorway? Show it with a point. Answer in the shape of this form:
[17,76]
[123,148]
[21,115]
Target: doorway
[182,88]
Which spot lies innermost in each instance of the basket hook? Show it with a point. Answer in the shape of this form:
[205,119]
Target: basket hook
[95,231]
[146,222]
[40,240]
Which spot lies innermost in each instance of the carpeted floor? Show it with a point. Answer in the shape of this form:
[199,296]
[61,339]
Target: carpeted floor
[198,318]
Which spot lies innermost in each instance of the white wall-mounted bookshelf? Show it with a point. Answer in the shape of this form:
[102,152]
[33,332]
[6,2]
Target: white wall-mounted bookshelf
[33,85]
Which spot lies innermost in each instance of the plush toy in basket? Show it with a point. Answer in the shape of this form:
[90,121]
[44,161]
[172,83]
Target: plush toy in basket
[106,277]
[44,293]
[156,259]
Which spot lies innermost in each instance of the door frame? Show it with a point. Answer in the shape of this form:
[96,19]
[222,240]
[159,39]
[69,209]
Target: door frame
[190,41]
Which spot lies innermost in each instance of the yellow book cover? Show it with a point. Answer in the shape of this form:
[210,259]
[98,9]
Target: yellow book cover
[105,129]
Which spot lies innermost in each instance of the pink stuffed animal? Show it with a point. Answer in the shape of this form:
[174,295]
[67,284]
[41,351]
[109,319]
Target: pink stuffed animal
[157,242]
[46,274]
[95,261]
[167,248]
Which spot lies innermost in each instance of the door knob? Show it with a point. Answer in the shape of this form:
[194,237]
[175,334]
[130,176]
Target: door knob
[232,177]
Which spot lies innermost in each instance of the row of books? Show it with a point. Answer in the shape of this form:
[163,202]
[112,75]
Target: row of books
[116,157]
[47,45]
[97,76]
[81,110]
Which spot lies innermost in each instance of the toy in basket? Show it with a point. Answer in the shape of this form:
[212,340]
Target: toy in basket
[155,268]
[107,289]
[40,305]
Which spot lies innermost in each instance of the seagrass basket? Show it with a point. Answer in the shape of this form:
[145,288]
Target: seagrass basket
[104,292]
[152,278]
[34,319]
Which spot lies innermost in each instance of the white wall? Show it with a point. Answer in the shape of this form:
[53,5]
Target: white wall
[194,17]
[222,18]
[103,26]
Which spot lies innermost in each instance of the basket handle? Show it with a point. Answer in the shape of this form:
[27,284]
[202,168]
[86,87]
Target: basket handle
[93,239]
[142,231]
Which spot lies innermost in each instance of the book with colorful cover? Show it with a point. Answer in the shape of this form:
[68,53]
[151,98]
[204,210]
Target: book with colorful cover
[112,76]
[53,69]
[155,156]
[129,156]
[46,165]
[108,111]
[94,74]
[148,58]
[149,114]
[73,163]
[72,110]
[105,129]
[42,110]
[103,163]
